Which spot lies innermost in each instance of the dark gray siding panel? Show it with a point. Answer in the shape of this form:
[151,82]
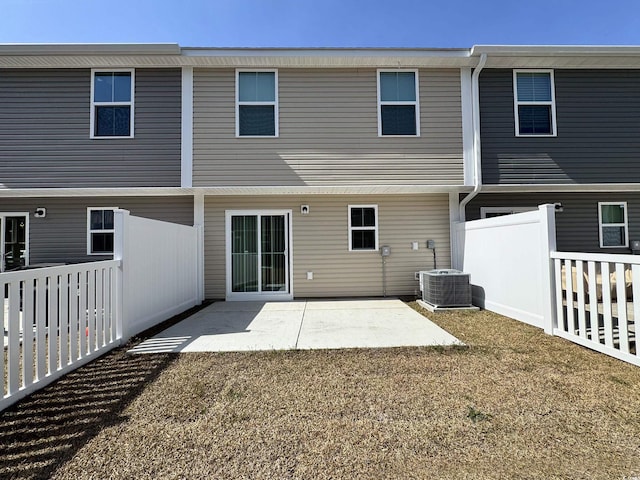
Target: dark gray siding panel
[62,235]
[577,225]
[598,120]
[44,132]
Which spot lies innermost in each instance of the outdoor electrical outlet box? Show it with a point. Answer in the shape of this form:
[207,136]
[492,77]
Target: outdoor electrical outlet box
[309,275]
[431,244]
[385,250]
[635,245]
[414,245]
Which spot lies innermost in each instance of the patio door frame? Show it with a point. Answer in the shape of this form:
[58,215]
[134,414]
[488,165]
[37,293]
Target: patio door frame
[3,229]
[259,296]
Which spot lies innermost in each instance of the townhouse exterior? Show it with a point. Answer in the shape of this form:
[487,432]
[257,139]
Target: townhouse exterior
[561,125]
[300,165]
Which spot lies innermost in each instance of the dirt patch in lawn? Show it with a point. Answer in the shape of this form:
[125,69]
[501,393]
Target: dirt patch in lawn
[515,403]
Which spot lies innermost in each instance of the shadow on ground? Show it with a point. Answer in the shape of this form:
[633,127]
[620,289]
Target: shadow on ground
[46,429]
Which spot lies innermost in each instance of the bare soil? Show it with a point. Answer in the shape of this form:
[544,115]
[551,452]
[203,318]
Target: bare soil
[515,403]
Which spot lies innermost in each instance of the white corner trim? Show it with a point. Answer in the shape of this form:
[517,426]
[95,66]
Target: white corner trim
[466,96]
[186,134]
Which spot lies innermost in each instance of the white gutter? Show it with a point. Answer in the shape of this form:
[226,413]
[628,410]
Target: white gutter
[477,171]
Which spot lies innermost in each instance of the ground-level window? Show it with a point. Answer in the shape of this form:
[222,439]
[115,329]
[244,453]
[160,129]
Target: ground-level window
[489,212]
[363,227]
[614,227]
[99,231]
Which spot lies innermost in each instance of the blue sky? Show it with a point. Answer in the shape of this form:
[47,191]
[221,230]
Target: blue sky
[317,23]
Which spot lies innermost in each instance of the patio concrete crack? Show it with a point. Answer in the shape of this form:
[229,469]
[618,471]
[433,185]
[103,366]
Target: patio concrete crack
[301,322]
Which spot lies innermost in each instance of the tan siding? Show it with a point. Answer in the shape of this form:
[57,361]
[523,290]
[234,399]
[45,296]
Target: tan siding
[320,243]
[328,133]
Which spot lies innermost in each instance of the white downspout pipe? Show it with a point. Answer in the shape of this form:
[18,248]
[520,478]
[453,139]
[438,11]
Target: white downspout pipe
[477,159]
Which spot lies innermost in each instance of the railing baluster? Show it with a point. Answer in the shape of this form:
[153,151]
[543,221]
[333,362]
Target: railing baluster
[63,309]
[13,353]
[41,327]
[594,314]
[606,304]
[621,300]
[91,311]
[83,325]
[27,332]
[568,276]
[582,329]
[559,307]
[73,316]
[5,324]
[52,331]
[99,308]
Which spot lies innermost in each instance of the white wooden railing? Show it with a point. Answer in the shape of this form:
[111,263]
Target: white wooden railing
[58,318]
[597,300]
[55,319]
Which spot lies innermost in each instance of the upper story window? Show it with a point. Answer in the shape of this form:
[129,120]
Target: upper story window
[100,231]
[614,227]
[257,103]
[363,227]
[112,103]
[534,103]
[398,105]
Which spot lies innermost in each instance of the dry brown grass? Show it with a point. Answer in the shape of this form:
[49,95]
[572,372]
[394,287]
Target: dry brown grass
[514,404]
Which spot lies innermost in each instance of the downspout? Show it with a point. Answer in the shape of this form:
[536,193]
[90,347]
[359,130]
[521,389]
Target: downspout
[477,160]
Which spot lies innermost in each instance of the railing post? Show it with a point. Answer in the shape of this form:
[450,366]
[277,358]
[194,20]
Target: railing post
[548,245]
[120,222]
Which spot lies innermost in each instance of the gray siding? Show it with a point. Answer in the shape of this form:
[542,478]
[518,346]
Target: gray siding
[328,133]
[321,245]
[44,132]
[598,120]
[577,225]
[62,235]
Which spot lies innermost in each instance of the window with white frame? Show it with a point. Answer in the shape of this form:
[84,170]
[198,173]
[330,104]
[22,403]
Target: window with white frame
[99,231]
[363,227]
[398,103]
[614,227]
[490,212]
[257,103]
[112,95]
[534,103]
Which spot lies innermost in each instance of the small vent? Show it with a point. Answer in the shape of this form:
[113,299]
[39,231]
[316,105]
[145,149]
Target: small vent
[446,288]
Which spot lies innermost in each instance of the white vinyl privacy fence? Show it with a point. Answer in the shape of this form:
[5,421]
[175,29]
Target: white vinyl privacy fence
[58,318]
[590,299]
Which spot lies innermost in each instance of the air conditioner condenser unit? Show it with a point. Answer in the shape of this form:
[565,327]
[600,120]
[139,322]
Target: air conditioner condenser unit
[445,288]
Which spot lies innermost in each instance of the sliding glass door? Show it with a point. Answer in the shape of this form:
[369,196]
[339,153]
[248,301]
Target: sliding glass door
[258,254]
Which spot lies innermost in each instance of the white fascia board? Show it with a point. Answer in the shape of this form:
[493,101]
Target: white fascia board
[555,50]
[585,187]
[94,192]
[89,49]
[332,190]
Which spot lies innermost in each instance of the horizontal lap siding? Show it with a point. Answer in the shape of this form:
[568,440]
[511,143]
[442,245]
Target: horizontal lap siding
[61,236]
[577,225]
[320,242]
[44,132]
[328,133]
[598,122]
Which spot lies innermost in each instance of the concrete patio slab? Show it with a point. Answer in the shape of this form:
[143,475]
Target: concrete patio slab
[251,326]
